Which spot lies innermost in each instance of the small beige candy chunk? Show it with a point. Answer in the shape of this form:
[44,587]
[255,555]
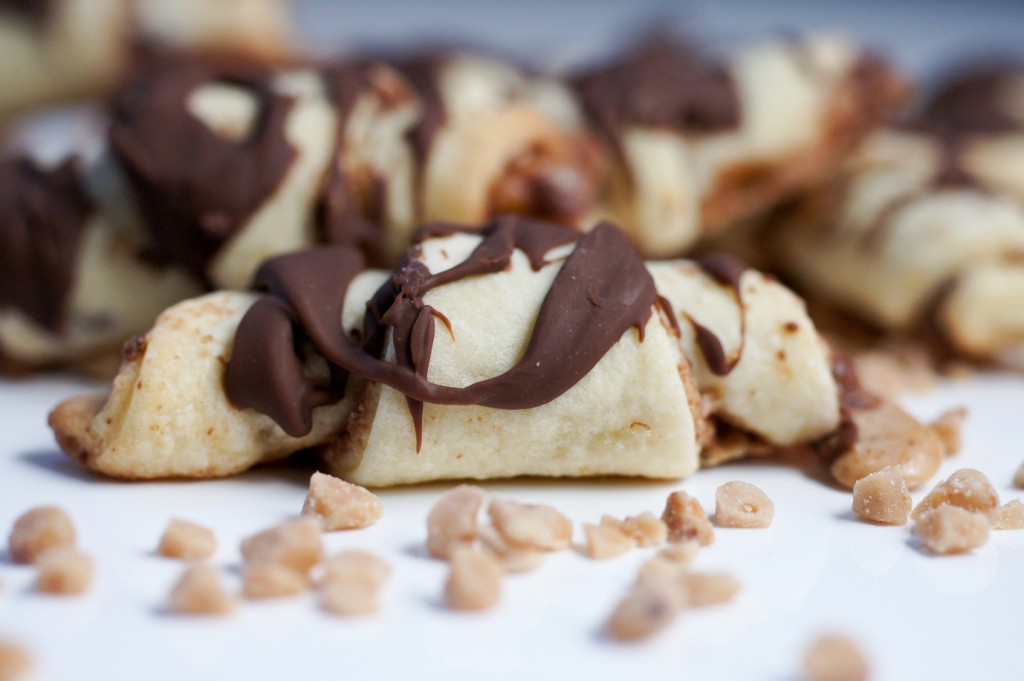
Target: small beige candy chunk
[474,582]
[709,588]
[356,567]
[272,580]
[682,553]
[834,658]
[15,662]
[39,530]
[686,520]
[606,541]
[1018,478]
[651,605]
[531,526]
[951,529]
[452,522]
[348,600]
[187,541]
[64,570]
[341,505]
[199,592]
[882,497]
[512,560]
[352,581]
[646,528]
[295,544]
[889,436]
[948,426]
[1011,516]
[967,488]
[740,504]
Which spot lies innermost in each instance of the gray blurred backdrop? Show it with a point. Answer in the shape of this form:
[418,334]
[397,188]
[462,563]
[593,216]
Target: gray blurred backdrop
[919,35]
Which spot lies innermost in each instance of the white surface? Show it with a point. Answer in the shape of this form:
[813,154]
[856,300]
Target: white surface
[815,569]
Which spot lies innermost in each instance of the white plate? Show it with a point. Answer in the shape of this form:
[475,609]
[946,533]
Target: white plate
[816,569]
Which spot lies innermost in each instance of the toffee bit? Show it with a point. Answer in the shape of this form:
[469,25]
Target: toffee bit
[882,497]
[948,427]
[966,488]
[272,580]
[740,504]
[452,522]
[295,544]
[38,531]
[835,658]
[64,571]
[15,662]
[951,529]
[199,592]
[1011,516]
[474,582]
[531,526]
[187,541]
[686,520]
[341,505]
[606,541]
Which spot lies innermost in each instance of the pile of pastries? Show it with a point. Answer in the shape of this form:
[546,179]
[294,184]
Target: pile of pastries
[446,265]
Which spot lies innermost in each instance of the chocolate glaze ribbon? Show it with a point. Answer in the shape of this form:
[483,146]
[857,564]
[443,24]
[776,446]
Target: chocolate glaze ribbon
[727,271]
[36,11]
[664,84]
[43,215]
[601,291]
[197,187]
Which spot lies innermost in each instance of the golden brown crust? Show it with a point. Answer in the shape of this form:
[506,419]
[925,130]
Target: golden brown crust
[868,95]
[71,422]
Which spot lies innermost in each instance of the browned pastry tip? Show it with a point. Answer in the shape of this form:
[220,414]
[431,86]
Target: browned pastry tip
[868,96]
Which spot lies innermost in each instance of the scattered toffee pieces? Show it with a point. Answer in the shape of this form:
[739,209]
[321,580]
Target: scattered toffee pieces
[44,213]
[602,290]
[664,84]
[197,187]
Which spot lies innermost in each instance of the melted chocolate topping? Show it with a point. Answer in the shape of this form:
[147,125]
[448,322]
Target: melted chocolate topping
[602,290]
[36,11]
[43,214]
[423,73]
[347,214]
[664,84]
[727,271]
[852,397]
[971,103]
[196,187]
[968,105]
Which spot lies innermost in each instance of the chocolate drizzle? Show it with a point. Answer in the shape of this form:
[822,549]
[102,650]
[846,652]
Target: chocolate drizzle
[664,84]
[43,214]
[424,74]
[968,105]
[345,213]
[727,271]
[601,291]
[196,187]
[36,11]
[852,398]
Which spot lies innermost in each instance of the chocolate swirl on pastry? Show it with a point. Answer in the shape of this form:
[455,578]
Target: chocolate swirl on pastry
[727,271]
[664,85]
[348,212]
[43,214]
[197,187]
[601,291]
[36,11]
